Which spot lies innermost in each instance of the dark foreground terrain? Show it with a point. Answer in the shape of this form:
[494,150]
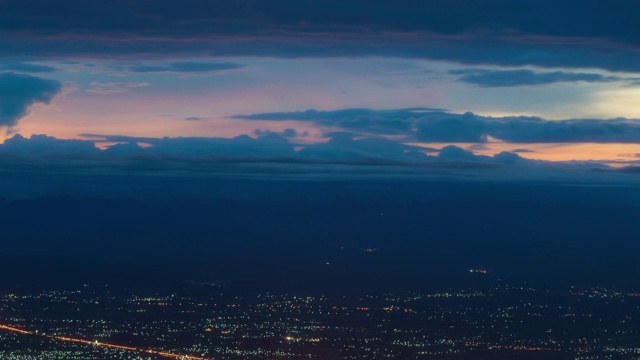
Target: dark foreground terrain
[253,269]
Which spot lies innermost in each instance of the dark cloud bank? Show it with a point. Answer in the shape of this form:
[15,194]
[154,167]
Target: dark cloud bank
[588,34]
[43,165]
[273,151]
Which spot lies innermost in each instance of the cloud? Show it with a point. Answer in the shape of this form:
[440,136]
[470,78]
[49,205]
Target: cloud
[212,149]
[522,151]
[269,146]
[387,122]
[18,92]
[288,133]
[475,147]
[343,146]
[274,149]
[209,154]
[185,67]
[452,152]
[527,32]
[27,67]
[427,125]
[507,78]
[115,87]
[445,127]
[46,148]
[272,156]
[423,123]
[193,17]
[536,130]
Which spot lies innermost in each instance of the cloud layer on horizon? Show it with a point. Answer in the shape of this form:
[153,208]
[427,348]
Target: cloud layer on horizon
[270,153]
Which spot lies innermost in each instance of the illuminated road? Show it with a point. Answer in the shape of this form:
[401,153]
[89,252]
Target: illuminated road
[104,345]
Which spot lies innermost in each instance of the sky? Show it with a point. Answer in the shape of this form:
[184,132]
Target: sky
[454,133]
[491,89]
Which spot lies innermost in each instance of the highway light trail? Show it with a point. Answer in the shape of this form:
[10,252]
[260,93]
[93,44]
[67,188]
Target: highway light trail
[103,344]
